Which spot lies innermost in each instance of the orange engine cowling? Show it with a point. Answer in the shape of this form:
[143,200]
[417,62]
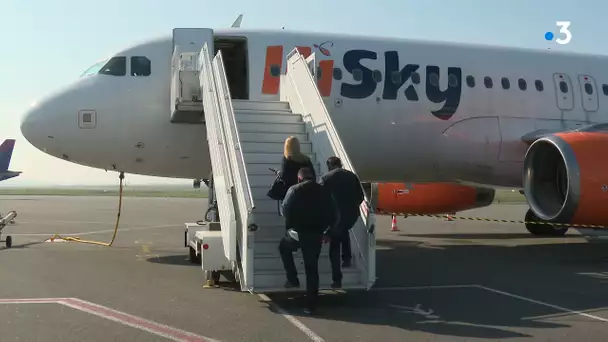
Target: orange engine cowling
[566,177]
[430,198]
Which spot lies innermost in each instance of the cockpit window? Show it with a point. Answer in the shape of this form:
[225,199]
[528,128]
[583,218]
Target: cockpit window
[94,69]
[116,66]
[140,66]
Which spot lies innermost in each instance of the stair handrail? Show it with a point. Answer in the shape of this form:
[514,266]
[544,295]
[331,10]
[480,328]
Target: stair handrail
[233,134]
[217,136]
[334,137]
[365,209]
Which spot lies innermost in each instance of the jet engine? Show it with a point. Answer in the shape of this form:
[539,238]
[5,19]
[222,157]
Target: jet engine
[429,198]
[565,178]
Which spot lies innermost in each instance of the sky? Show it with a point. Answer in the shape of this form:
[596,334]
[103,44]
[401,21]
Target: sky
[46,44]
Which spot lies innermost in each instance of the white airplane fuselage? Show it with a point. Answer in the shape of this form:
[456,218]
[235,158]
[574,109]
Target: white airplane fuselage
[405,110]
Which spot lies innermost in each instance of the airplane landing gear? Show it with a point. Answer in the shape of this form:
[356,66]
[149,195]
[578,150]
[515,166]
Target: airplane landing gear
[542,229]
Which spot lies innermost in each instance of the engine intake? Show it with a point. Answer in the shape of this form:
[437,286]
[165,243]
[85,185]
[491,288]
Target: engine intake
[565,178]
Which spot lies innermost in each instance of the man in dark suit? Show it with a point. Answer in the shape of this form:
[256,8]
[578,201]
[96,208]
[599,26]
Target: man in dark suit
[308,213]
[345,188]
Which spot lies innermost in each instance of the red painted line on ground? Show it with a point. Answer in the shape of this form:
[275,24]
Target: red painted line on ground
[32,300]
[116,316]
[136,322]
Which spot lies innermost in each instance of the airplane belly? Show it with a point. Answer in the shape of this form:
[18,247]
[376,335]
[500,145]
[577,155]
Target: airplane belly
[469,149]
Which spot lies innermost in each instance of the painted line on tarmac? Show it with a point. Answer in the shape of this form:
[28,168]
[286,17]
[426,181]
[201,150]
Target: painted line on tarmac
[173,334]
[504,293]
[426,287]
[306,330]
[526,299]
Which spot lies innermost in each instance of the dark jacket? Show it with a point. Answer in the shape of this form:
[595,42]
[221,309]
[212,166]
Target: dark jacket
[308,208]
[346,189]
[290,168]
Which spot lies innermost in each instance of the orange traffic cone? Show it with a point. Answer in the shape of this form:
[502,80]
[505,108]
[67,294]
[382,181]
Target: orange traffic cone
[449,217]
[394,227]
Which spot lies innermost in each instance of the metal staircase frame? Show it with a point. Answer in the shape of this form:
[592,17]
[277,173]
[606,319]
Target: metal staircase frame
[326,142]
[232,189]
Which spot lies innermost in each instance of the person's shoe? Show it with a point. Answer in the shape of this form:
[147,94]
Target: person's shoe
[336,285]
[346,263]
[289,284]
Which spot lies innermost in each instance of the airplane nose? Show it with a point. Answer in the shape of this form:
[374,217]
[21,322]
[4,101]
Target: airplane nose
[36,128]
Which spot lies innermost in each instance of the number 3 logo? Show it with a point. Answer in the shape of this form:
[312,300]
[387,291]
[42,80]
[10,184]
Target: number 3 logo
[563,28]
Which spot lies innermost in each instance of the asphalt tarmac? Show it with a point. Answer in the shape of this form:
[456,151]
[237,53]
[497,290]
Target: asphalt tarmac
[437,281]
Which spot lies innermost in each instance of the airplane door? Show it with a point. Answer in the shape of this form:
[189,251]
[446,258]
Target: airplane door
[564,91]
[311,61]
[589,95]
[192,40]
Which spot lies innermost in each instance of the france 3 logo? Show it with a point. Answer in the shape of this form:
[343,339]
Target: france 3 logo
[564,30]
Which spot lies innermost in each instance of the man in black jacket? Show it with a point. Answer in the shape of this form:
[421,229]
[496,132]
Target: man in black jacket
[308,213]
[345,187]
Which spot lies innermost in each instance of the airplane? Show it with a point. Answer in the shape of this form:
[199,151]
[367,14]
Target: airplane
[444,117]
[6,152]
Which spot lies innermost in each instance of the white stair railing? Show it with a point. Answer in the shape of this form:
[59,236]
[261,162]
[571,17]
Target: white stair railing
[218,149]
[241,204]
[299,88]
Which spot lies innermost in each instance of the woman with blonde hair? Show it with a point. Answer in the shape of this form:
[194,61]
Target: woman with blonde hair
[293,160]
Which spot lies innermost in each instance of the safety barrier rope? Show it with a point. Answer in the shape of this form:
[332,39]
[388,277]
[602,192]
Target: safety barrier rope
[121,177]
[485,219]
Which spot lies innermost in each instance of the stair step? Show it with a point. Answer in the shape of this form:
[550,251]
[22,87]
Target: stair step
[268,281]
[259,180]
[256,127]
[274,263]
[264,168]
[258,157]
[259,105]
[271,137]
[273,117]
[271,232]
[271,147]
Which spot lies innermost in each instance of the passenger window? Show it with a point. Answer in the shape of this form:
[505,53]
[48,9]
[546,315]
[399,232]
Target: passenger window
[452,81]
[522,84]
[505,83]
[588,89]
[116,66]
[539,85]
[140,66]
[605,89]
[434,79]
[275,70]
[377,76]
[415,78]
[487,81]
[396,77]
[337,73]
[471,81]
[563,87]
[357,75]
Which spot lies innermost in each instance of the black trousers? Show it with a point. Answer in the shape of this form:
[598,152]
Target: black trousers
[341,239]
[311,248]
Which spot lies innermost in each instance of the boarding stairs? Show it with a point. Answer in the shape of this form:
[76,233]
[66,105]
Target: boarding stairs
[245,141]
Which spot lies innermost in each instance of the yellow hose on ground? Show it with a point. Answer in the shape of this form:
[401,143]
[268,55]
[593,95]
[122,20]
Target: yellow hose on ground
[107,244]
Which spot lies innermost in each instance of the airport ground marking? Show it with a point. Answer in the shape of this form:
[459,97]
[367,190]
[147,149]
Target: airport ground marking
[538,302]
[155,328]
[504,293]
[296,322]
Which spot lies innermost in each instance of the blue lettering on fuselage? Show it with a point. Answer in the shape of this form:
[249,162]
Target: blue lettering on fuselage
[395,76]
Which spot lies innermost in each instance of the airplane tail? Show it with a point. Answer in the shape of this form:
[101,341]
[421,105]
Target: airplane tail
[6,152]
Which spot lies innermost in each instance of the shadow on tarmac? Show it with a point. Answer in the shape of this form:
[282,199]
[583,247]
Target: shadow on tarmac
[532,270]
